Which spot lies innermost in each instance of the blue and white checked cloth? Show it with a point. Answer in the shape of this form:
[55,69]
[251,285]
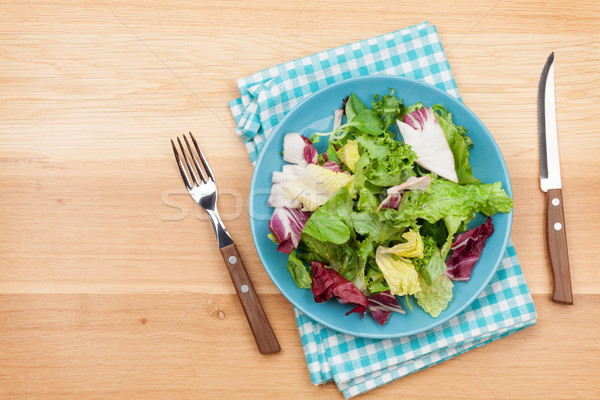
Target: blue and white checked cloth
[357,365]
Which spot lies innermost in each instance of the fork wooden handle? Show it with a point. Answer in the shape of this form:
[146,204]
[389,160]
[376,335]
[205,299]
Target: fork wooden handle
[557,248]
[261,329]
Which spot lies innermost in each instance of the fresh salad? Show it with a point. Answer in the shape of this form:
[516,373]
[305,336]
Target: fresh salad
[377,216]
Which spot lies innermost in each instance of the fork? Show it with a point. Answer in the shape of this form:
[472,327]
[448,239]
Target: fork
[203,189]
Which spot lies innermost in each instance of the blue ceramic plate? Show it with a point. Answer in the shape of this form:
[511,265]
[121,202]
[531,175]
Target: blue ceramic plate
[316,114]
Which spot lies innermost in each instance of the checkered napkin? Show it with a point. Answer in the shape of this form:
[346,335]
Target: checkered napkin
[355,364]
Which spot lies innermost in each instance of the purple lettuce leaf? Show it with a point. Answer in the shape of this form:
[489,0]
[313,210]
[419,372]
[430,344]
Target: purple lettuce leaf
[391,201]
[332,165]
[327,283]
[381,306]
[466,250]
[286,225]
[395,193]
[310,153]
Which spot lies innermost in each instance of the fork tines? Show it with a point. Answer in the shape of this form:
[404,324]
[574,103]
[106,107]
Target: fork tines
[196,172]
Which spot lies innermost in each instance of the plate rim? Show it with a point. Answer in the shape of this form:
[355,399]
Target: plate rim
[275,133]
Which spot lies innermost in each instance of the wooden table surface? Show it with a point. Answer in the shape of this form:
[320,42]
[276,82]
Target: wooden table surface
[111,285]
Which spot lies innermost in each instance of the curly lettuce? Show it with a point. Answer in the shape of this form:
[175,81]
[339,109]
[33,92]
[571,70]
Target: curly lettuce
[432,265]
[384,162]
[455,204]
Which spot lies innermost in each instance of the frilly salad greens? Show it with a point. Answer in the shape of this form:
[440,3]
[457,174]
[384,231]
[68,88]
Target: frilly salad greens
[373,217]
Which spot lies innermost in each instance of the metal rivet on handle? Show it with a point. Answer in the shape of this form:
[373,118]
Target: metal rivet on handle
[232,260]
[555,201]
[244,288]
[557,226]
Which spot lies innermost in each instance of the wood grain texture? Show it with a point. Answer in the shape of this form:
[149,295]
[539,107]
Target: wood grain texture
[199,346]
[99,234]
[558,250]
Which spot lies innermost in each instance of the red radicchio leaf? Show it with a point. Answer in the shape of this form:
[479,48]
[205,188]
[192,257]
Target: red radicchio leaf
[466,250]
[392,201]
[310,153]
[395,193]
[381,306]
[418,118]
[332,165]
[326,283]
[286,225]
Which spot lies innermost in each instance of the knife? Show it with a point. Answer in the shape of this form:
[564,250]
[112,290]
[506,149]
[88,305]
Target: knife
[556,236]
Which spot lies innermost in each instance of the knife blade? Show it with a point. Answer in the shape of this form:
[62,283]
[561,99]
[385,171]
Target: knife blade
[550,182]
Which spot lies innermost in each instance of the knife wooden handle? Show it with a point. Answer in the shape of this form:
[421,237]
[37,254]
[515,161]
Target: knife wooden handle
[557,247]
[261,329]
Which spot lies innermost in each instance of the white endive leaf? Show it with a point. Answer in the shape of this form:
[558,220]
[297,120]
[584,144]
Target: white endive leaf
[422,131]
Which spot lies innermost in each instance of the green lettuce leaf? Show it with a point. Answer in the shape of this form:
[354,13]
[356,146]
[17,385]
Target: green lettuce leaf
[388,107]
[411,108]
[428,248]
[298,271]
[384,162]
[375,280]
[272,238]
[375,121]
[342,257]
[375,230]
[435,298]
[366,121]
[432,265]
[327,228]
[436,231]
[455,204]
[368,223]
[353,107]
[367,201]
[360,177]
[459,143]
[445,198]
[366,248]
[454,224]
[378,148]
[331,153]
